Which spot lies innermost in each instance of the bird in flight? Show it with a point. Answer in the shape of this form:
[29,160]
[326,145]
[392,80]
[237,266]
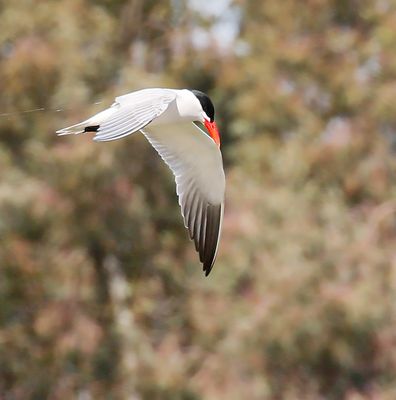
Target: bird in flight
[168,119]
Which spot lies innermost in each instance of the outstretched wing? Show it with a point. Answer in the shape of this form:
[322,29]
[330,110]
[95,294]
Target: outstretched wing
[127,115]
[197,165]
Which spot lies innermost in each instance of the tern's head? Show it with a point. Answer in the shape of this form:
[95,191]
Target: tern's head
[208,115]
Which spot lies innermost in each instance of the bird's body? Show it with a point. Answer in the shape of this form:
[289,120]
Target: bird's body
[167,119]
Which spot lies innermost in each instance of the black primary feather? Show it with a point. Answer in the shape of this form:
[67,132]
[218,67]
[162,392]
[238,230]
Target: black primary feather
[93,128]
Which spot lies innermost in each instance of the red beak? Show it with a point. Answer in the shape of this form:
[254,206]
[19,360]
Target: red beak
[213,131]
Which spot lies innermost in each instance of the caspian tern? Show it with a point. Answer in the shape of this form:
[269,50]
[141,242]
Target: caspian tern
[168,119]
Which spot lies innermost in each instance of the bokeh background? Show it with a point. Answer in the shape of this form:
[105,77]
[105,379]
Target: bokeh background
[101,292]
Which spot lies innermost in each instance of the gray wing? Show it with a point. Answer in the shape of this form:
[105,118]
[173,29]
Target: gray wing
[197,165]
[127,115]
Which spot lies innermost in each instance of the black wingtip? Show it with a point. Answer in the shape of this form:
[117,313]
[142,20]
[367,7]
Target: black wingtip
[207,270]
[93,128]
[213,222]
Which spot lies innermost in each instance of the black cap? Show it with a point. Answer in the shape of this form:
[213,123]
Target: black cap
[206,103]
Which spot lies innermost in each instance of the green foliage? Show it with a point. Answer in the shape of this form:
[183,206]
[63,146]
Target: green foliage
[101,295]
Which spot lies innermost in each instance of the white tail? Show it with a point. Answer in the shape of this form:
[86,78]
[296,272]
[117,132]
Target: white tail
[74,129]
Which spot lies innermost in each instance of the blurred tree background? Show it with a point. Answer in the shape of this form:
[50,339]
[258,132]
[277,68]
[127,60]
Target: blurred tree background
[101,293]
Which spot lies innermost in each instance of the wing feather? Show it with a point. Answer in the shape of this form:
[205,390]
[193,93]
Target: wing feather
[127,115]
[134,112]
[196,163]
[202,236]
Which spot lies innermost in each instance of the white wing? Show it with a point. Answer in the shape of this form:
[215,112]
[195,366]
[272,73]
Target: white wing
[197,165]
[127,115]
